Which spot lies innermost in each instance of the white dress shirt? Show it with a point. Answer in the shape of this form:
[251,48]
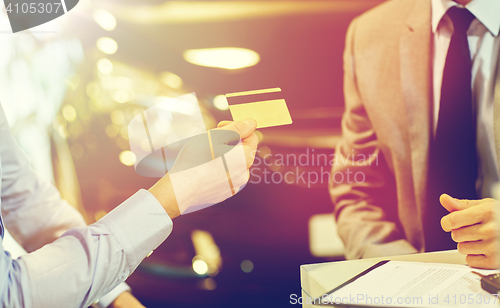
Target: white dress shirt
[80,265]
[15,250]
[484,44]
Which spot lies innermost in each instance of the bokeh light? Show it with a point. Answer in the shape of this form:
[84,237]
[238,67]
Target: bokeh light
[107,45]
[105,66]
[127,158]
[69,113]
[229,58]
[246,266]
[172,80]
[220,102]
[104,19]
[99,214]
[200,267]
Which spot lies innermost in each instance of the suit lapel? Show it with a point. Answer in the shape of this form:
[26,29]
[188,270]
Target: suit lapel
[496,113]
[416,72]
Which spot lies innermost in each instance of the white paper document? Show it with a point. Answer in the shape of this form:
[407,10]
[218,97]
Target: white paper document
[414,284]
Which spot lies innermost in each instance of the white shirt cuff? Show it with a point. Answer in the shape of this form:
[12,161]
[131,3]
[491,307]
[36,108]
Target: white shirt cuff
[140,225]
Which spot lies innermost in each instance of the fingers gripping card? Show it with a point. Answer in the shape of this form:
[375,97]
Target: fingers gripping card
[264,106]
[217,170]
[170,137]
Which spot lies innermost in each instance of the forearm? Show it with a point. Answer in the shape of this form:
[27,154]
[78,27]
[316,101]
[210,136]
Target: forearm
[164,193]
[16,251]
[87,262]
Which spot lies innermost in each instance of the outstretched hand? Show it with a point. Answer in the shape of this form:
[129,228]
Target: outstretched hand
[197,178]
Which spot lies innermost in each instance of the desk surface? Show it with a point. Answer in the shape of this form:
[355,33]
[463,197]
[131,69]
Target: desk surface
[317,279]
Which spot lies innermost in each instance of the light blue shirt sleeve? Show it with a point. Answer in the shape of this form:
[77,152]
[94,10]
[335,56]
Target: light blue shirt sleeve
[80,264]
[15,250]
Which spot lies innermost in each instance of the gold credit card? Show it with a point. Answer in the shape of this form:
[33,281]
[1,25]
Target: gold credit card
[265,106]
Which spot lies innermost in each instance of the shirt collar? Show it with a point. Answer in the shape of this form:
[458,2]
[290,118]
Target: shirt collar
[486,11]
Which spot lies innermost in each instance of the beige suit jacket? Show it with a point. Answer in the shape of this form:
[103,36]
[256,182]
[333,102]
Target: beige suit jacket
[386,130]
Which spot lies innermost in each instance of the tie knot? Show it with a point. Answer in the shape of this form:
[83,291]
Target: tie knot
[461,19]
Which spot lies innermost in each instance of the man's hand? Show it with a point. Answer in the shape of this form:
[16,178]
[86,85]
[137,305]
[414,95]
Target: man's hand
[247,135]
[474,227]
[126,300]
[191,190]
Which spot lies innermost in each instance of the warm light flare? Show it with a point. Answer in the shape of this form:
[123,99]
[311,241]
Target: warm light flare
[229,58]
[127,158]
[105,66]
[69,113]
[171,80]
[107,45]
[220,102]
[200,267]
[104,19]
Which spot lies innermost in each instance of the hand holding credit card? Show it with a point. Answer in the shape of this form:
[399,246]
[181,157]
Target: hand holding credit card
[264,106]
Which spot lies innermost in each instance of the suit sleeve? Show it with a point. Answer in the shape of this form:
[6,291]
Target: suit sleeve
[362,187]
[80,264]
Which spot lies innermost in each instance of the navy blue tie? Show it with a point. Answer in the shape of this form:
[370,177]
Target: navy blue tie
[453,161]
